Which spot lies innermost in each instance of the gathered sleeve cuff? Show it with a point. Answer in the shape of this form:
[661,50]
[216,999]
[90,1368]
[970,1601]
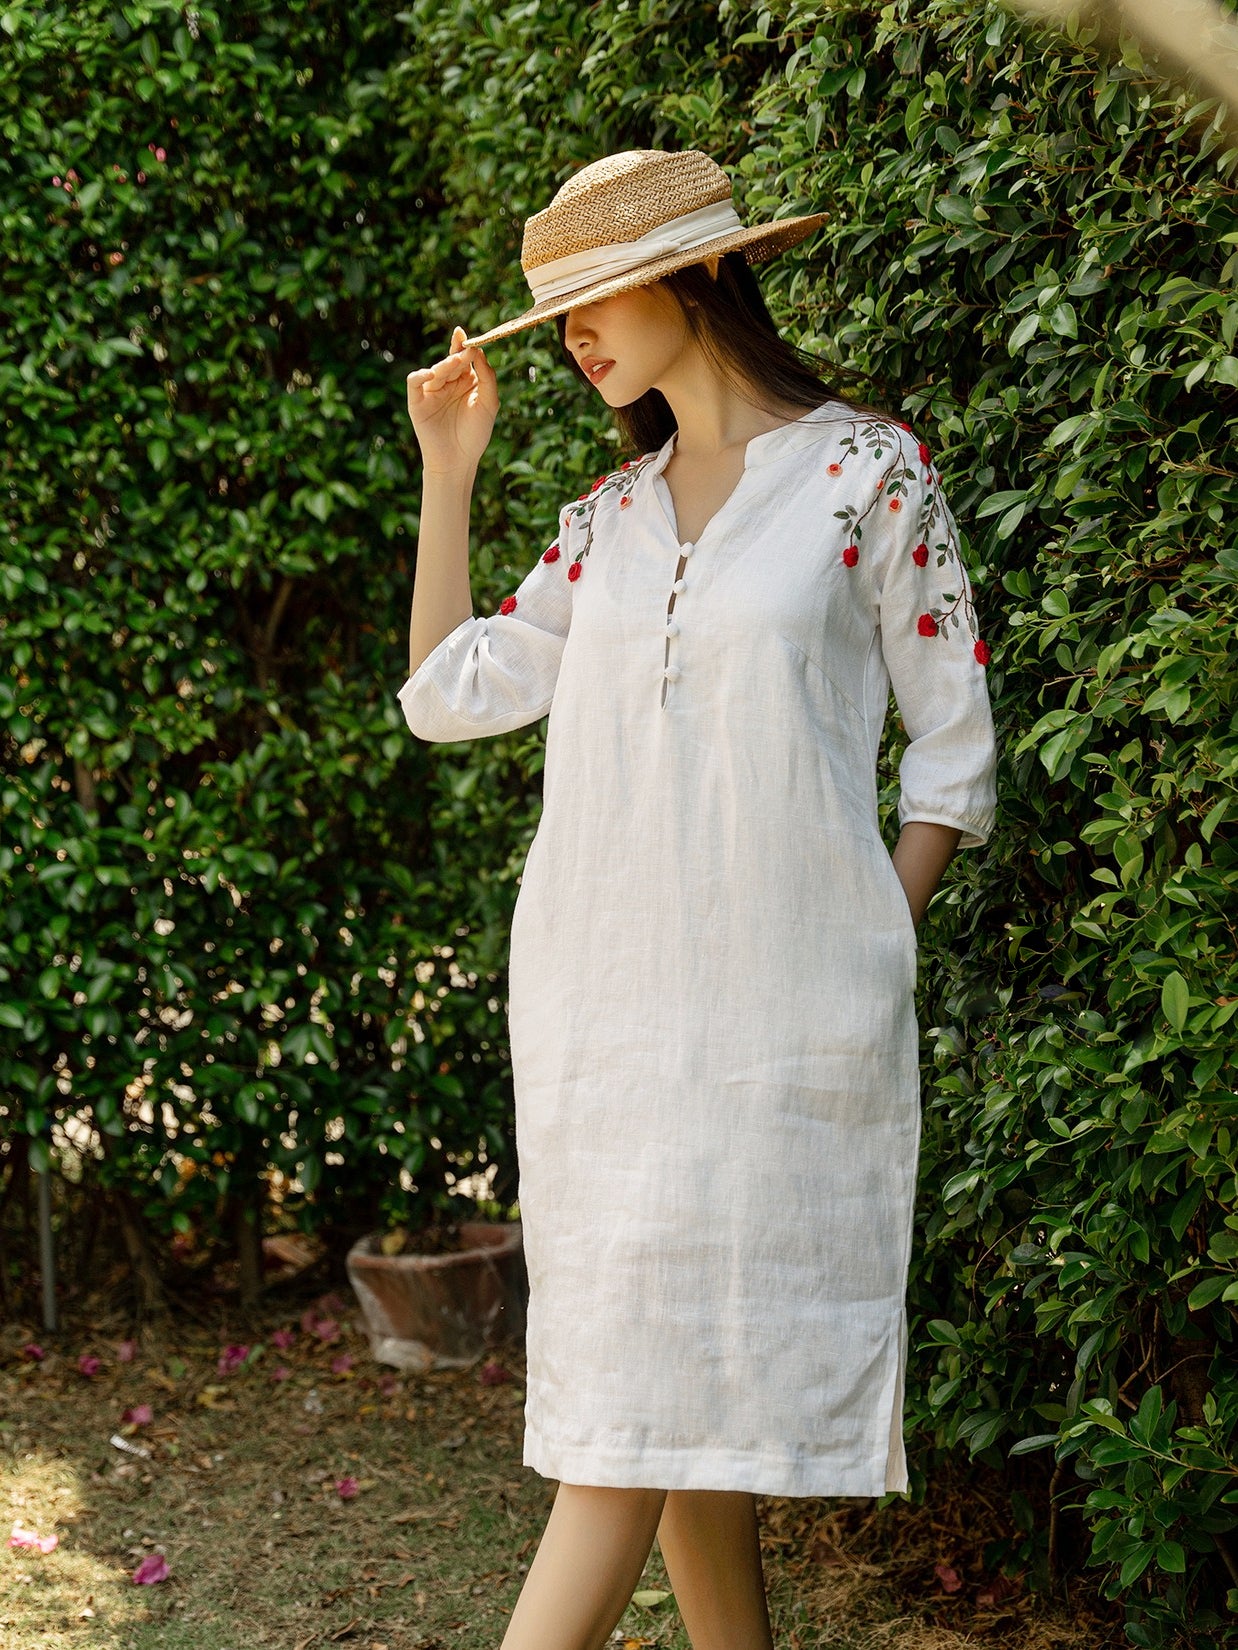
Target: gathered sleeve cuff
[935,655]
[495,673]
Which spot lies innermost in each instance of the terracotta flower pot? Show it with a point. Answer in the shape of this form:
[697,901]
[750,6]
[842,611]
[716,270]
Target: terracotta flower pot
[441,1311]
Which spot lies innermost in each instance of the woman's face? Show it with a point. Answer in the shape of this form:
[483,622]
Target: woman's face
[628,343]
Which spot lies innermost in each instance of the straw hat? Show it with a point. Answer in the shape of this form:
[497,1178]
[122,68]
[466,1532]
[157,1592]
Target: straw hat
[628,220]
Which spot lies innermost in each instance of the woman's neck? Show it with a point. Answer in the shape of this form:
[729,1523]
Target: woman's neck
[712,416]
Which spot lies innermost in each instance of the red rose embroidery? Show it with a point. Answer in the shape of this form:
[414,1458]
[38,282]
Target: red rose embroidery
[906,427]
[927,625]
[552,554]
[981,650]
[507,605]
[835,469]
[579,496]
[851,555]
[625,501]
[925,456]
[597,484]
[920,555]
[896,504]
[573,572]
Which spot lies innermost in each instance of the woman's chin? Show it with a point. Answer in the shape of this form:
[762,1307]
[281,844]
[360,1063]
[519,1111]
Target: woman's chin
[619,397]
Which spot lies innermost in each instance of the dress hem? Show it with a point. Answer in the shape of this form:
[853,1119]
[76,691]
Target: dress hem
[707,1469]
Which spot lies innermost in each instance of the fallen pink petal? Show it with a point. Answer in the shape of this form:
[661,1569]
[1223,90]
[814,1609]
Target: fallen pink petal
[232,1358]
[341,1364]
[89,1365]
[347,1488]
[140,1414]
[126,1352]
[950,1579]
[493,1374]
[283,1338]
[34,1353]
[154,1567]
[279,1373]
[997,1591]
[31,1539]
[327,1329]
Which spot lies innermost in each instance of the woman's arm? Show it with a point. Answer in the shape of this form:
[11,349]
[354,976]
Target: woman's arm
[921,855]
[442,596]
[453,405]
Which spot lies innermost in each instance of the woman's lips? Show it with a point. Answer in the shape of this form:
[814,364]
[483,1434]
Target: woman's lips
[597,370]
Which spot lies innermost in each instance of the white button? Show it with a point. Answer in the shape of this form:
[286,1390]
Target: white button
[672,629]
[679,587]
[671,673]
[686,549]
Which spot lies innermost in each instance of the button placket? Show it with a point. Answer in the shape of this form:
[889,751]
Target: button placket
[671,672]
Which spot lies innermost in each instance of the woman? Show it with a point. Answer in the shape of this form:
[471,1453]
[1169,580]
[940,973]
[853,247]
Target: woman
[713,955]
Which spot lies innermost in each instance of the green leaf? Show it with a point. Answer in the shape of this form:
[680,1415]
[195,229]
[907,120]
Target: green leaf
[1135,1564]
[1040,1440]
[1211,1289]
[1175,1000]
[1171,1557]
[1023,333]
[942,1331]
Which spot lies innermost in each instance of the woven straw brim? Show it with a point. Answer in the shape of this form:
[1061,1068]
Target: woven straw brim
[758,243]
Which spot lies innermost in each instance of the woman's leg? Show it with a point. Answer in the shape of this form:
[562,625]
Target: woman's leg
[588,1562]
[713,1558]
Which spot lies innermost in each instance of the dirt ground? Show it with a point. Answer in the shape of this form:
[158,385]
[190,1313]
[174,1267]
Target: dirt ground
[282,1489]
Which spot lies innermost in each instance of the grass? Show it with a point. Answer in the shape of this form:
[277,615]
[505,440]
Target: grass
[239,1493]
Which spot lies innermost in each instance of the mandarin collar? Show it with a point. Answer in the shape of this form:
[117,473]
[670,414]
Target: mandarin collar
[775,443]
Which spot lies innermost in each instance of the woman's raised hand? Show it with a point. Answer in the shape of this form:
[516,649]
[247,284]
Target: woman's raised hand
[453,405]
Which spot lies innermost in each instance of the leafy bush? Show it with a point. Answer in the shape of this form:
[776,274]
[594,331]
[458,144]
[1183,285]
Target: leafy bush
[1031,256]
[228,967]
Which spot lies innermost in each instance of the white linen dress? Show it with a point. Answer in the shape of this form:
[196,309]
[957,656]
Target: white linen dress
[713,962]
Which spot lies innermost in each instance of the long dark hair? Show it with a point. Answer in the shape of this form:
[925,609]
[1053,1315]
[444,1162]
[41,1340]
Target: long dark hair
[729,319]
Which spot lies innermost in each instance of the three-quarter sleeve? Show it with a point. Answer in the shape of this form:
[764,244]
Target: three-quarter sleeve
[495,673]
[934,654]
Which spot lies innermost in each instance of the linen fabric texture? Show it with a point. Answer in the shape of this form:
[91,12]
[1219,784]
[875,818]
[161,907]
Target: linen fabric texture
[713,962]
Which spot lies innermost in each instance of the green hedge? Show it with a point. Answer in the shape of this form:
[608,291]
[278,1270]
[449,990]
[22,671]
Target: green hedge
[223,941]
[1031,256]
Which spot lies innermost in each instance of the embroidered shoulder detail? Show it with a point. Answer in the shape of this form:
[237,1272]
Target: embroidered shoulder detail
[881,441]
[909,479]
[936,543]
[618,483]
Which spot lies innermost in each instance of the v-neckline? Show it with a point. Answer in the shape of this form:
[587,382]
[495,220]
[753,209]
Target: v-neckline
[666,501]
[754,447]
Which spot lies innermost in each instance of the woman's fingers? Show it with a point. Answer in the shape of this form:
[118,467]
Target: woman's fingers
[487,380]
[457,364]
[458,357]
[443,373]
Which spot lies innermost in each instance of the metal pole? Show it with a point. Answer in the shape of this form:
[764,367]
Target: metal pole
[47,1258]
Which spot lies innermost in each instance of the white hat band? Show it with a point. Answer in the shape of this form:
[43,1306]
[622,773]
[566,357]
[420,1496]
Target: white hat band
[580,269]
